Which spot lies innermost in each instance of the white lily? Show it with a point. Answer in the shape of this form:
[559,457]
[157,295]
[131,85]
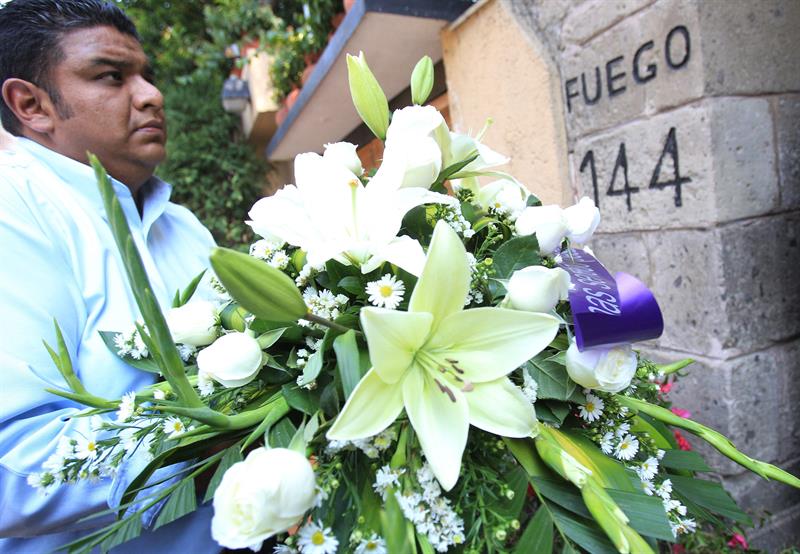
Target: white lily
[331,215]
[445,365]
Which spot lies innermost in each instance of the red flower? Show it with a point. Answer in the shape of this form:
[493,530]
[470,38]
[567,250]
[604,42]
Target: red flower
[678,549]
[738,541]
[681,413]
[666,386]
[683,444]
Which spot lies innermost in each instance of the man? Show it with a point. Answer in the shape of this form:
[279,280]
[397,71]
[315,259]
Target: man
[75,79]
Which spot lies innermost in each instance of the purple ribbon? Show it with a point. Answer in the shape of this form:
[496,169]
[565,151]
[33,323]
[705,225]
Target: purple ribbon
[608,310]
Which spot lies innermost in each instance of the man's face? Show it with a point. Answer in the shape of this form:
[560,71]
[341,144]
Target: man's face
[109,105]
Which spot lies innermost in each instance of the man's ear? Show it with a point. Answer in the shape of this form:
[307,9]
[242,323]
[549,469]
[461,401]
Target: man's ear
[31,104]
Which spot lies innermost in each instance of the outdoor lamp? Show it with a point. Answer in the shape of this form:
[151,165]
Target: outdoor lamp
[235,95]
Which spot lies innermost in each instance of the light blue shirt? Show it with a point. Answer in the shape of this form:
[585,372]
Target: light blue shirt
[59,261]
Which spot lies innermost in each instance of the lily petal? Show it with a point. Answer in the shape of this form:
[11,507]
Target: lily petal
[393,338]
[372,407]
[444,283]
[517,417]
[441,422]
[403,252]
[489,343]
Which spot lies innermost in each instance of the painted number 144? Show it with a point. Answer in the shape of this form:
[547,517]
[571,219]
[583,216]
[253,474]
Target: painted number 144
[619,176]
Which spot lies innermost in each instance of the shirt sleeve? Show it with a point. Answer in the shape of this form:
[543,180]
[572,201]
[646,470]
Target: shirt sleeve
[38,288]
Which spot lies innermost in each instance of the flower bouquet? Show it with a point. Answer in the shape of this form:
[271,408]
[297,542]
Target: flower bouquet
[407,361]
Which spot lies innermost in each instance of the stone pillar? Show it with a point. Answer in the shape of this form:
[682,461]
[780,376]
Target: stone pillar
[682,121]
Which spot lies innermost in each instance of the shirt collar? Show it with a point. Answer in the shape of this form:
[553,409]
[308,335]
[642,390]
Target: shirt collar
[80,177]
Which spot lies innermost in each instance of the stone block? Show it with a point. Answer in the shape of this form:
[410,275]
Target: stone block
[749,47]
[787,130]
[595,16]
[725,168]
[624,252]
[762,293]
[644,64]
[780,532]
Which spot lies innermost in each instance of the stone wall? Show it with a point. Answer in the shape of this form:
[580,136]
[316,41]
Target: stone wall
[682,120]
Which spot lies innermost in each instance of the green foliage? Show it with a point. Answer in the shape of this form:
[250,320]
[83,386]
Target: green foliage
[214,172]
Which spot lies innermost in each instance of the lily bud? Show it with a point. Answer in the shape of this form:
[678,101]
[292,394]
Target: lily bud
[607,514]
[261,289]
[368,97]
[561,461]
[422,80]
[233,360]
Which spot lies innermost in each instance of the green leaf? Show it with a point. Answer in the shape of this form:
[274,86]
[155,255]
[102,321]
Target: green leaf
[684,459]
[127,530]
[583,532]
[280,409]
[560,410]
[552,378]
[182,501]
[710,495]
[300,399]
[517,481]
[348,361]
[562,493]
[538,535]
[166,351]
[608,472]
[145,364]
[188,292]
[232,455]
[280,435]
[517,253]
[352,284]
[393,526]
[646,513]
[312,368]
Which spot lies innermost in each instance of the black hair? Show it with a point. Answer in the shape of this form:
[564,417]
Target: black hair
[30,41]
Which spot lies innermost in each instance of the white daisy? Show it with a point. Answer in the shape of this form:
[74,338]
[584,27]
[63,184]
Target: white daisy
[648,488]
[205,384]
[660,454]
[372,545]
[86,448]
[283,549]
[622,429]
[279,260]
[385,478]
[664,490]
[648,469]
[159,394]
[606,443]
[122,344]
[593,409]
[386,292]
[670,505]
[627,448]
[173,427]
[126,407]
[684,526]
[530,388]
[314,539]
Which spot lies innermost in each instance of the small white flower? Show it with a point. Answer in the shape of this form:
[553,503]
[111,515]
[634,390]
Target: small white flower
[684,526]
[593,409]
[159,394]
[660,454]
[126,407]
[86,448]
[205,384]
[186,351]
[314,539]
[530,388]
[122,344]
[648,469]
[627,448]
[622,429]
[648,488]
[173,427]
[664,490]
[385,478]
[283,549]
[372,545]
[387,292]
[279,260]
[670,505]
[607,444]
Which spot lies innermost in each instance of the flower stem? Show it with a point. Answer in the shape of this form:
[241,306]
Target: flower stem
[328,323]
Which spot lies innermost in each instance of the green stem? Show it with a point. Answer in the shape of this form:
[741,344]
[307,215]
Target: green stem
[677,366]
[327,323]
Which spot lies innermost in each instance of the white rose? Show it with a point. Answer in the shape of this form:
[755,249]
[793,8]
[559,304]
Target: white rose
[582,220]
[344,153]
[262,496]
[194,323]
[537,288]
[233,360]
[605,369]
[504,196]
[547,222]
[410,161]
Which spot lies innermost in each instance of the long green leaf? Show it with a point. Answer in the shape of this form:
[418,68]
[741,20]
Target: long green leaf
[127,530]
[684,459]
[393,526]
[182,501]
[710,495]
[188,292]
[538,535]
[172,368]
[348,361]
[646,513]
[280,408]
[562,493]
[583,532]
[232,455]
